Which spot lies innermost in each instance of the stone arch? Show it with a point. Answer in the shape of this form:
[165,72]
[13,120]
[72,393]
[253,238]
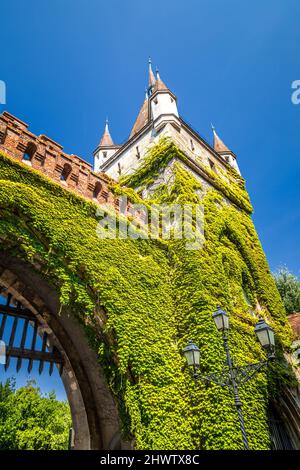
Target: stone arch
[94,412]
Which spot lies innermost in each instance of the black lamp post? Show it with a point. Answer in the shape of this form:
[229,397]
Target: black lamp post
[231,376]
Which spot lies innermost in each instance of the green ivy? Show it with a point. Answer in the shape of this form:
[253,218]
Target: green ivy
[153,296]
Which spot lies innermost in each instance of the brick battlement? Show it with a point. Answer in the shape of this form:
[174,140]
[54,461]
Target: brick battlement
[46,155]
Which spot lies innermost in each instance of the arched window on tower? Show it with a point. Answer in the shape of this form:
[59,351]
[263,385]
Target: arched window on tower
[65,172]
[29,152]
[97,190]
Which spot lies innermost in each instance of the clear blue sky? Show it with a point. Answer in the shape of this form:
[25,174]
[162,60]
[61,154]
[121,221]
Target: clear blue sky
[68,64]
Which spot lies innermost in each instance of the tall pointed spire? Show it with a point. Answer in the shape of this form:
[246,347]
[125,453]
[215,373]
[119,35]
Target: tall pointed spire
[159,84]
[106,140]
[219,145]
[151,80]
[224,151]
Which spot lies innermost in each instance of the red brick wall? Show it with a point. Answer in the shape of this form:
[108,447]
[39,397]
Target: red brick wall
[49,158]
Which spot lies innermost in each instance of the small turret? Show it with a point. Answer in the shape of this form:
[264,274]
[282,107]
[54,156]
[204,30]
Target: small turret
[106,140]
[159,105]
[224,151]
[163,105]
[105,149]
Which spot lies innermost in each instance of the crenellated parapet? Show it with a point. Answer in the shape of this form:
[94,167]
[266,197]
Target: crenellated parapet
[46,155]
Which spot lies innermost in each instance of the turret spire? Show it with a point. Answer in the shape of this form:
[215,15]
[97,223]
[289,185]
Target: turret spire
[159,84]
[219,145]
[151,81]
[106,140]
[224,151]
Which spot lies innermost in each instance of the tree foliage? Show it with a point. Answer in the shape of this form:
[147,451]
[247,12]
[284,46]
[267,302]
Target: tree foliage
[289,289]
[31,421]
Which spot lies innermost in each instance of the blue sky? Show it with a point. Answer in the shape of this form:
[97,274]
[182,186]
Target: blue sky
[68,64]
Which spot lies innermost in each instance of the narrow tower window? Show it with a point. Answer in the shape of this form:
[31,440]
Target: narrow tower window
[119,168]
[192,145]
[212,165]
[138,155]
[104,154]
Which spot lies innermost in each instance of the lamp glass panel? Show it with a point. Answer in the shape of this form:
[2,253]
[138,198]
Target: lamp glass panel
[263,337]
[189,355]
[272,338]
[196,358]
[218,322]
[226,322]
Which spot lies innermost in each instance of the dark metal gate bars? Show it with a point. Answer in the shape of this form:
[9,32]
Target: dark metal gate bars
[47,354]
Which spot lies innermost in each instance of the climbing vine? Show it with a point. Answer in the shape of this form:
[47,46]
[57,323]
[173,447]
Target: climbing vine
[151,297]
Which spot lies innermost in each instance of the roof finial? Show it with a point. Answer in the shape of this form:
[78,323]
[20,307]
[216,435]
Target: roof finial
[213,127]
[157,74]
[151,81]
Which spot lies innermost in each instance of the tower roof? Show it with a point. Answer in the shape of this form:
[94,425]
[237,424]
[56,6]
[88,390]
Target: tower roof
[142,118]
[219,145]
[151,79]
[106,140]
[159,84]
[154,85]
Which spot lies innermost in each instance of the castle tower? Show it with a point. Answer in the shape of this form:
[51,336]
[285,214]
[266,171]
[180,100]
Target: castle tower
[159,117]
[105,149]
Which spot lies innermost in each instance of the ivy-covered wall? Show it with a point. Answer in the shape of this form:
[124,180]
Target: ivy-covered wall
[155,295]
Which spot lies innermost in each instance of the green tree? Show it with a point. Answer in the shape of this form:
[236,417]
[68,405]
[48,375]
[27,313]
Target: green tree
[29,420]
[289,289]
